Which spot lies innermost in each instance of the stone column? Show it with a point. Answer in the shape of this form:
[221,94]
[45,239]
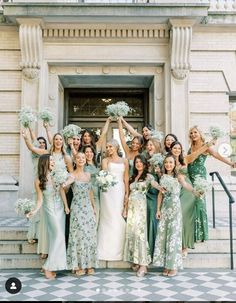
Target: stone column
[180,45]
[30,35]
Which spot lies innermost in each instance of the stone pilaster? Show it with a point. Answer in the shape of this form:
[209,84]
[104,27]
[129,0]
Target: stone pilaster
[180,46]
[30,36]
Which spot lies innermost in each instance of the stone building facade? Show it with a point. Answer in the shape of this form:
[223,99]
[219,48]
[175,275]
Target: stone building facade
[183,53]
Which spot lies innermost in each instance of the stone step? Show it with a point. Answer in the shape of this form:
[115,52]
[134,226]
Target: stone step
[221,233]
[17,247]
[20,261]
[13,233]
[208,261]
[213,246]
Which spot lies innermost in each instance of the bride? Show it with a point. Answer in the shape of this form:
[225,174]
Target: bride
[113,206]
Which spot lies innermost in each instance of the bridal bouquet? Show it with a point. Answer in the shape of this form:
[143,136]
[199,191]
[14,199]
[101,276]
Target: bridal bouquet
[24,206]
[216,132]
[46,116]
[156,160]
[155,134]
[105,180]
[141,187]
[170,184]
[70,130]
[59,176]
[27,116]
[201,185]
[118,109]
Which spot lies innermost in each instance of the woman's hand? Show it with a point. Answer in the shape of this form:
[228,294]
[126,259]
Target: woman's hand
[31,213]
[162,189]
[125,212]
[158,214]
[70,141]
[67,210]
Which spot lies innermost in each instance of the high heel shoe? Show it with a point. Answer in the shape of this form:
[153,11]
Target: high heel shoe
[141,272]
[135,267]
[90,271]
[165,272]
[80,272]
[172,273]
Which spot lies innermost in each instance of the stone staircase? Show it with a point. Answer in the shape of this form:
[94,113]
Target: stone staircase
[16,253]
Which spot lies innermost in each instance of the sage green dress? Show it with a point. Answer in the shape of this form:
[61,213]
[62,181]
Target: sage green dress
[131,167]
[187,200]
[197,168]
[136,243]
[168,245]
[93,170]
[82,245]
[55,218]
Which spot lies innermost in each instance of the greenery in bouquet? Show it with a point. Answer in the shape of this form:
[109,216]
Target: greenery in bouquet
[27,116]
[170,184]
[105,180]
[24,206]
[158,135]
[59,176]
[118,109]
[141,187]
[216,132]
[201,185]
[46,115]
[156,160]
[70,130]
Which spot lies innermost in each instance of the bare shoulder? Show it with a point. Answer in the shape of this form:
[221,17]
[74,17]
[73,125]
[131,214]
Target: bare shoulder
[88,176]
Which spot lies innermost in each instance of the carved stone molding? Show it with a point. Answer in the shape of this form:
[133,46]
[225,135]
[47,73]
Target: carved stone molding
[181,38]
[30,73]
[31,49]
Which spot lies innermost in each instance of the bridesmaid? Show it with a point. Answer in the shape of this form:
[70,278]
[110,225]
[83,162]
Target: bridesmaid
[146,131]
[132,151]
[91,167]
[114,202]
[168,140]
[82,246]
[153,147]
[136,244]
[195,168]
[73,146]
[187,198]
[168,244]
[55,205]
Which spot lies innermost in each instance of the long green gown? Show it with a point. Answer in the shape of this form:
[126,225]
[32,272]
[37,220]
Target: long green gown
[136,244]
[93,170]
[168,245]
[197,167]
[82,246]
[187,200]
[55,218]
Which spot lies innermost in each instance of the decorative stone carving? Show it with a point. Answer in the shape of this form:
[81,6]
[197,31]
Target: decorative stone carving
[132,70]
[181,37]
[31,73]
[31,49]
[79,70]
[159,70]
[106,69]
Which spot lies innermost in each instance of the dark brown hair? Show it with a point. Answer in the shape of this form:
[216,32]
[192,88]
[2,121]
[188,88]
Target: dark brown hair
[43,167]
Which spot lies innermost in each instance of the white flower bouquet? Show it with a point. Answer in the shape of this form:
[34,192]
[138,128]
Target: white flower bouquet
[216,132]
[59,176]
[118,109]
[141,187]
[201,185]
[156,160]
[71,130]
[27,116]
[170,184]
[46,116]
[105,180]
[24,206]
[155,134]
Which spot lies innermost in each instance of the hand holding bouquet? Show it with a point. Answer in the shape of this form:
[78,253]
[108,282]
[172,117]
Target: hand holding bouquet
[71,130]
[118,109]
[201,185]
[27,116]
[216,132]
[46,116]
[170,184]
[24,206]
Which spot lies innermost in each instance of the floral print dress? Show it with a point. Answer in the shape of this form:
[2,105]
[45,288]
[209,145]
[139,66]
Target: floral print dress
[136,243]
[82,245]
[168,245]
[197,168]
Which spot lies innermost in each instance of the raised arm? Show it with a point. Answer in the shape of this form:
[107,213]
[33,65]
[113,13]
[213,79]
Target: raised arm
[126,181]
[48,132]
[102,138]
[122,138]
[130,128]
[32,135]
[217,156]
[193,156]
[69,163]
[30,146]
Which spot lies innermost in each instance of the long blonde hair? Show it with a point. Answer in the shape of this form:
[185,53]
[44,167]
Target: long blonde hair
[115,144]
[200,132]
[52,149]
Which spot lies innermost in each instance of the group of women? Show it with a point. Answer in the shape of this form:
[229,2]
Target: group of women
[136,220]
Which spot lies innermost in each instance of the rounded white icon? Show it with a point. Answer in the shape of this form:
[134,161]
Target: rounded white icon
[225,150]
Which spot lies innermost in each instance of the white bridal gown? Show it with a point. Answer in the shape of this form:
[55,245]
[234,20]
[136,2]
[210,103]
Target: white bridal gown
[111,229]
